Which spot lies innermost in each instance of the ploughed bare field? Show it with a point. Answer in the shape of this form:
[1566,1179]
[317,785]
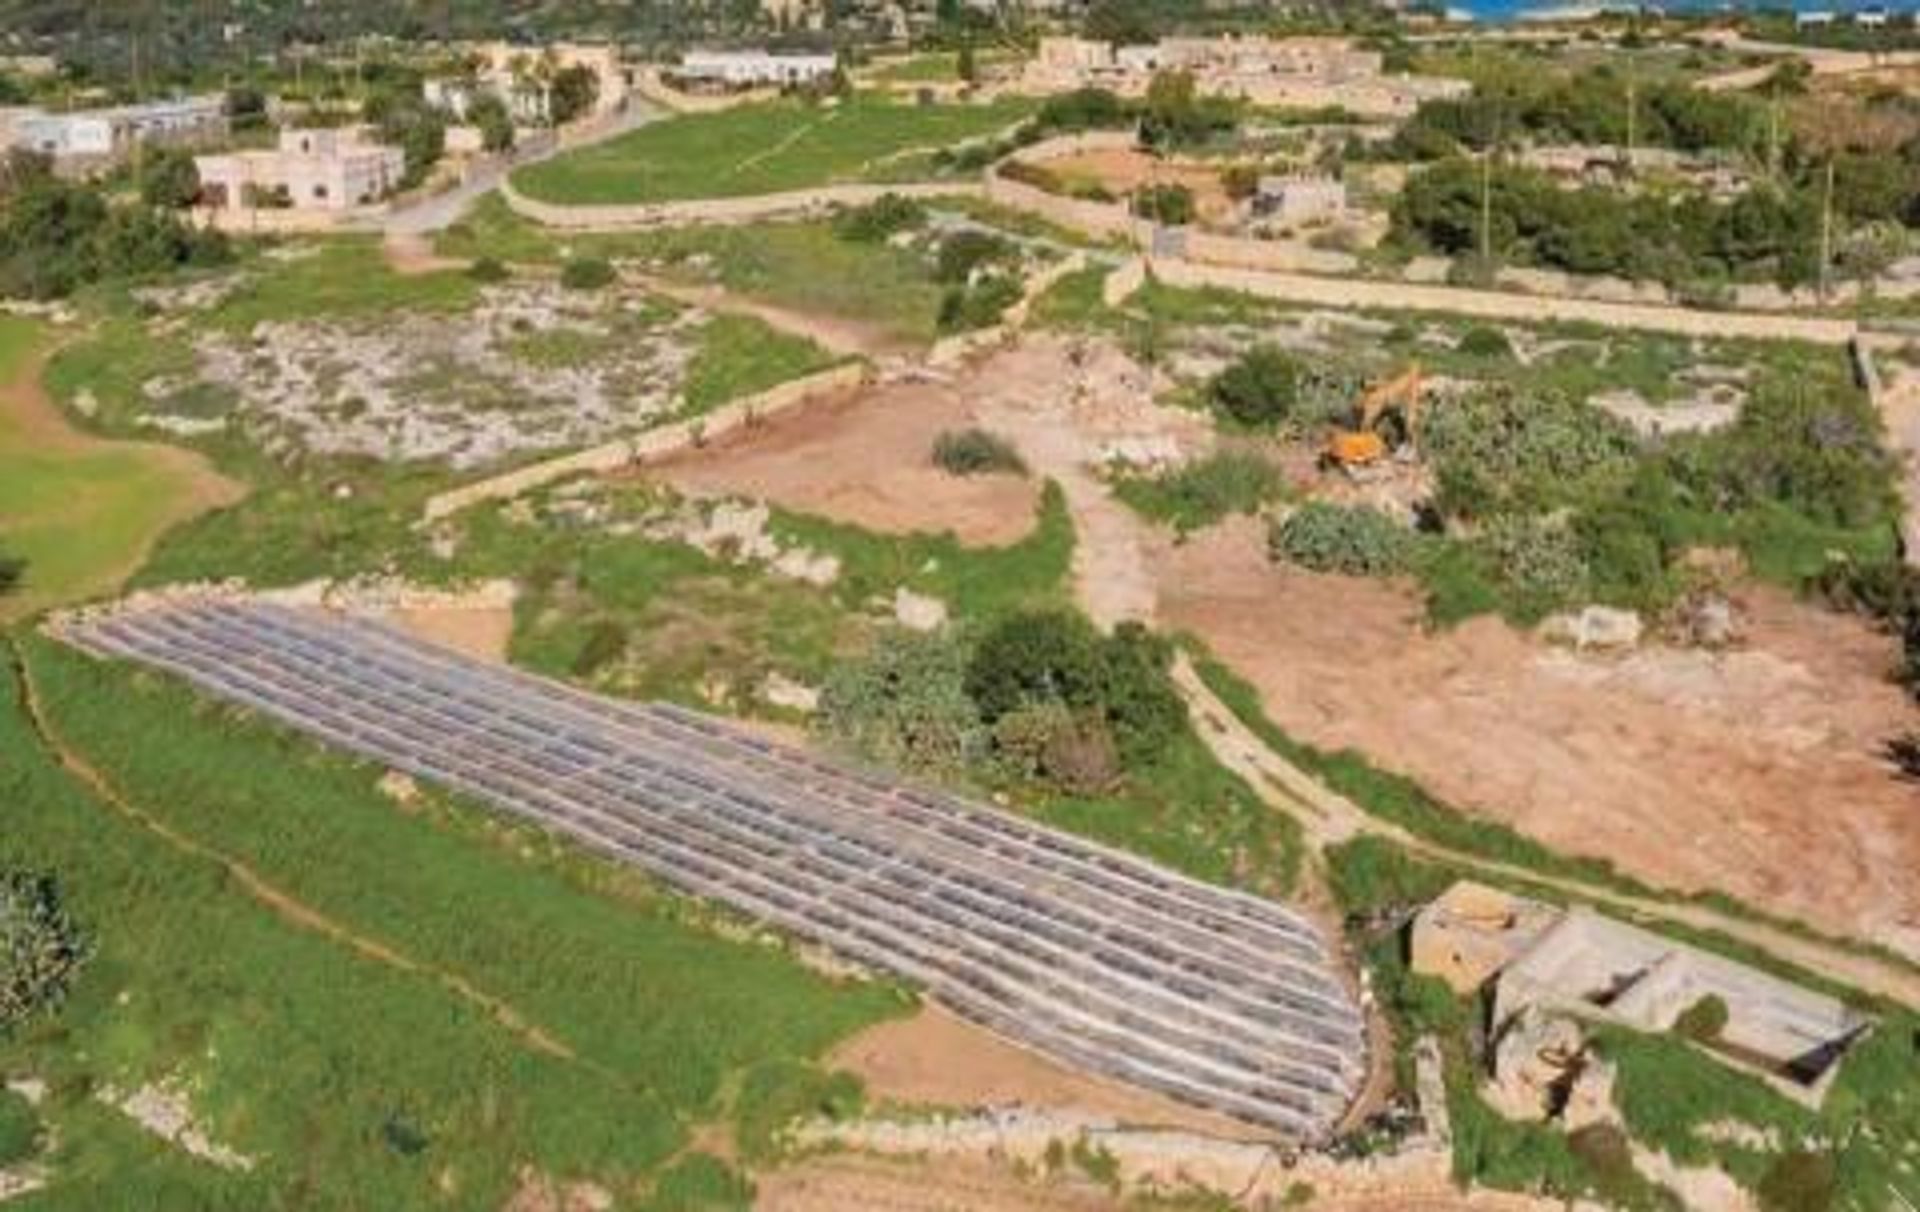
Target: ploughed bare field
[1755,772]
[867,460]
[938,1059]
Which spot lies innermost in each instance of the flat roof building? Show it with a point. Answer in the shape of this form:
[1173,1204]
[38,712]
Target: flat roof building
[335,169]
[746,69]
[88,139]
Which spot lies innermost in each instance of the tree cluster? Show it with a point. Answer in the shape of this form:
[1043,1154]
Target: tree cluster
[1591,107]
[57,236]
[1766,232]
[1038,696]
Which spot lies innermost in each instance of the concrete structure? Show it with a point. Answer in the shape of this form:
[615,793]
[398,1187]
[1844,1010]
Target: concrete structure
[1297,201]
[755,68]
[521,76]
[1311,73]
[87,140]
[331,170]
[1583,965]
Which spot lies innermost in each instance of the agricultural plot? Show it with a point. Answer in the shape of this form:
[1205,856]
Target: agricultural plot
[652,1022]
[1109,963]
[760,149]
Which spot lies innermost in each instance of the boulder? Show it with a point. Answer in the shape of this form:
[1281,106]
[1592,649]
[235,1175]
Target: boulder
[1597,627]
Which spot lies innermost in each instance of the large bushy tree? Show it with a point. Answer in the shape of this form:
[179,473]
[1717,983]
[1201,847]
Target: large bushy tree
[41,947]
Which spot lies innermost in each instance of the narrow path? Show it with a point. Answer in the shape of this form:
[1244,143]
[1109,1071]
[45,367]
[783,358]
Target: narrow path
[280,902]
[836,334]
[1330,819]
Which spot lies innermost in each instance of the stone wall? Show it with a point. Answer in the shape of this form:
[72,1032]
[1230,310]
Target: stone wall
[1498,305]
[655,443]
[748,209]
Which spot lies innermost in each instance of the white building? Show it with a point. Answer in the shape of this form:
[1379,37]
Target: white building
[748,69]
[310,170]
[88,139]
[1298,201]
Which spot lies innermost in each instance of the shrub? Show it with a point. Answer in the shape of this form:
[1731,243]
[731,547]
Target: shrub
[1703,1021]
[41,948]
[488,269]
[965,308]
[1483,342]
[1168,204]
[586,273]
[1798,1181]
[877,220]
[1201,493]
[1041,657]
[19,1129]
[906,704]
[606,643]
[1084,109]
[1496,451]
[1261,389]
[1537,558]
[1073,751]
[972,452]
[1350,539]
[964,252]
[12,569]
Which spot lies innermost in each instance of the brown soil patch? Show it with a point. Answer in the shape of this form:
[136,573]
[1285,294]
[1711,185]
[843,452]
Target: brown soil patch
[1755,772]
[842,1182]
[936,1058]
[1121,172]
[865,459]
[411,255]
[481,632]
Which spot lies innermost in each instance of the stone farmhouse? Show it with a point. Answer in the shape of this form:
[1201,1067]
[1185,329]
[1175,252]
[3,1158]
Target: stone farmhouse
[321,170]
[1579,964]
[1305,73]
[90,140]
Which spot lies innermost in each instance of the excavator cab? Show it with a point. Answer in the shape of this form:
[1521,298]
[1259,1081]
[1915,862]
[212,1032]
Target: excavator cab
[1364,445]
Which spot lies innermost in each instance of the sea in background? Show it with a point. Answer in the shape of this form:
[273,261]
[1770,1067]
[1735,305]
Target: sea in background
[1544,10]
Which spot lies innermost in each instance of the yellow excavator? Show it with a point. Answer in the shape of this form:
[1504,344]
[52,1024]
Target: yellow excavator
[1363,445]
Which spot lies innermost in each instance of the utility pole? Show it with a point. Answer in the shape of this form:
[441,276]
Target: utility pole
[1486,206]
[1826,232]
[1632,112]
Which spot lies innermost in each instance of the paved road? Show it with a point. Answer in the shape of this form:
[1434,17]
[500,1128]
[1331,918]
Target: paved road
[437,212]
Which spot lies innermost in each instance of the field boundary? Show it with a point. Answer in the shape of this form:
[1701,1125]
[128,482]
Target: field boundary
[749,208]
[655,443]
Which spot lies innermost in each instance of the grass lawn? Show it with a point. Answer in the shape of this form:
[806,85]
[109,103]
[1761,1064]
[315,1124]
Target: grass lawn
[81,512]
[357,1083]
[801,266]
[758,149]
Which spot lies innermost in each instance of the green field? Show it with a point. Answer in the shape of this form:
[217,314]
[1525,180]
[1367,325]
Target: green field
[353,1082]
[759,149]
[82,513]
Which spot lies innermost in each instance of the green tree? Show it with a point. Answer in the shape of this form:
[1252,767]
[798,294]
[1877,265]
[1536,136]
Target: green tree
[1168,203]
[964,65]
[906,704]
[41,947]
[1175,115]
[489,113]
[1261,389]
[169,179]
[574,91]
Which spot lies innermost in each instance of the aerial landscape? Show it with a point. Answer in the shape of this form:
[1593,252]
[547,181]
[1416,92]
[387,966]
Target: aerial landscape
[1133,605]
